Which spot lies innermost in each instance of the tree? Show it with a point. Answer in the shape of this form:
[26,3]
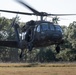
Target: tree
[7,33]
[72,35]
[69,46]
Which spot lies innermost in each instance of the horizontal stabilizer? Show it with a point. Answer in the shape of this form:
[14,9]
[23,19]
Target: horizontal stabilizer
[13,44]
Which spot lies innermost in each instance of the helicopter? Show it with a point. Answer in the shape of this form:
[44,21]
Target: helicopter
[35,34]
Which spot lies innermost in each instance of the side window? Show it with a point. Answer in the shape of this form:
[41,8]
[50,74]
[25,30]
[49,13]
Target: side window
[38,28]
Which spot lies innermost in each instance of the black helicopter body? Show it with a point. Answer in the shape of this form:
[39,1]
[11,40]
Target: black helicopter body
[43,33]
[35,33]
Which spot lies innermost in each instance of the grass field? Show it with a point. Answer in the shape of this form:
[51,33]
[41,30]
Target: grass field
[37,69]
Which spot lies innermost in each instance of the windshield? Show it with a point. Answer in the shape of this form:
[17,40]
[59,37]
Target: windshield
[45,26]
[52,27]
[58,28]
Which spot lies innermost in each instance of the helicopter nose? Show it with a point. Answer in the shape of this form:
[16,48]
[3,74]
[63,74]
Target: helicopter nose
[57,36]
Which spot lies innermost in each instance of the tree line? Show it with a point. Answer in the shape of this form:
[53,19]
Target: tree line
[48,54]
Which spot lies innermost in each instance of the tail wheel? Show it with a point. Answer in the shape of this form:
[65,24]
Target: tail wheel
[58,49]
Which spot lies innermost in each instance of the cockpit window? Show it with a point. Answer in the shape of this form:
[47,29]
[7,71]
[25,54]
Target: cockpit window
[58,28]
[52,27]
[45,26]
[38,28]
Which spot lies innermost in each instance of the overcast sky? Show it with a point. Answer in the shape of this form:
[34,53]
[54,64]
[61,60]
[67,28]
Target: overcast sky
[50,6]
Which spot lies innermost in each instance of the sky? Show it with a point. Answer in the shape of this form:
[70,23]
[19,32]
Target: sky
[49,6]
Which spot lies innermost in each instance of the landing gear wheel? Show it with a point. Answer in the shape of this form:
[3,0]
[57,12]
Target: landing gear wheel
[21,54]
[30,47]
[57,49]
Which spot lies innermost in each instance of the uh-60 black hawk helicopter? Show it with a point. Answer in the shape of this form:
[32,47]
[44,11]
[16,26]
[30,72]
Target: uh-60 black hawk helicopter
[36,34]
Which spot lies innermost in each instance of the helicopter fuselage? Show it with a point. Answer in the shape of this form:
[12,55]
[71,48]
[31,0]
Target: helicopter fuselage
[44,34]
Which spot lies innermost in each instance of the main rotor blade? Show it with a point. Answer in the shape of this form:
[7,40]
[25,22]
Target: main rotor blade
[61,14]
[16,12]
[29,7]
